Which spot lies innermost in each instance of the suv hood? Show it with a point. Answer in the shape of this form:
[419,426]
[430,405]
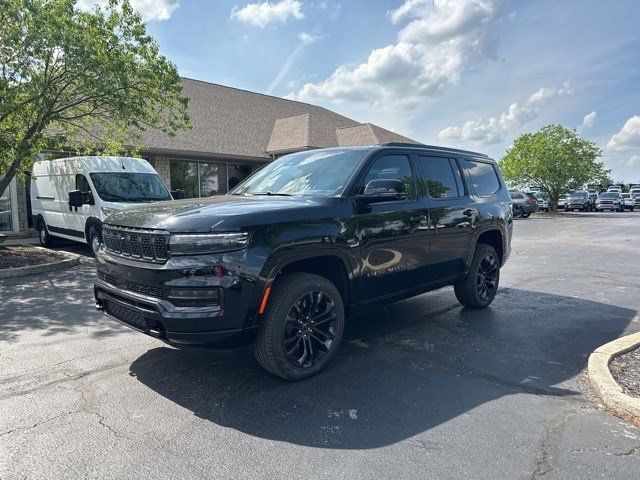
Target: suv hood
[219,213]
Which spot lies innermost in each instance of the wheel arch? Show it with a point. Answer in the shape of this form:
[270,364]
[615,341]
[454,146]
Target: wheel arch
[329,263]
[494,237]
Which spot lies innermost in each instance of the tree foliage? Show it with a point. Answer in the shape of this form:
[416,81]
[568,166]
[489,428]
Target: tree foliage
[555,159]
[89,81]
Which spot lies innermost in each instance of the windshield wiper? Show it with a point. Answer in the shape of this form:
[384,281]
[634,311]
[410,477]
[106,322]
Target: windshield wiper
[273,194]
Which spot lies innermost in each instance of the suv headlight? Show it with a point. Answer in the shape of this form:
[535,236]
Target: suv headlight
[201,243]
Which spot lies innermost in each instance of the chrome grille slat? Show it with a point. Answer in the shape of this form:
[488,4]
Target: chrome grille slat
[137,243]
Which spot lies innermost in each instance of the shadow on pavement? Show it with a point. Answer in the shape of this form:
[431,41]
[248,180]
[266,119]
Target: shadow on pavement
[59,302]
[401,370]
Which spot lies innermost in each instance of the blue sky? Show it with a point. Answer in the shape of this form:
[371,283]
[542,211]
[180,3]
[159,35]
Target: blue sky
[467,73]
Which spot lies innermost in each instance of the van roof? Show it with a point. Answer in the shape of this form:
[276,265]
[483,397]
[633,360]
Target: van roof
[91,164]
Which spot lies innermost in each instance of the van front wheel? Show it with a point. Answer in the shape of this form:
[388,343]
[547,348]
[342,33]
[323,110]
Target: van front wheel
[95,238]
[43,234]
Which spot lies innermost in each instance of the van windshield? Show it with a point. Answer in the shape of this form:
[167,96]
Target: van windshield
[129,187]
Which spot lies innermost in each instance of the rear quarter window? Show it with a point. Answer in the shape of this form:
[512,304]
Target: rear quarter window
[484,178]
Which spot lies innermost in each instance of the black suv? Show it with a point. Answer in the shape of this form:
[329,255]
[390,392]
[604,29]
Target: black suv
[305,242]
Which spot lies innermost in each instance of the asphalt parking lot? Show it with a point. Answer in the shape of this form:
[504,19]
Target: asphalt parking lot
[420,389]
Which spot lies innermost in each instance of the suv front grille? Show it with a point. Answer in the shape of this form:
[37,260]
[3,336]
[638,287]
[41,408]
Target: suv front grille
[149,291]
[137,243]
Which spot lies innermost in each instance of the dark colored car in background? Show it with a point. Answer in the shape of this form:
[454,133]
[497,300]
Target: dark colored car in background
[305,242]
[524,204]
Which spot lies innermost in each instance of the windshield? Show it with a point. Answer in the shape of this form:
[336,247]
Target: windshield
[609,195]
[312,173]
[129,187]
[579,195]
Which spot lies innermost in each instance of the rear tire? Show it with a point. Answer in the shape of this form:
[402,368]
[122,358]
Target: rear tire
[484,269]
[292,326]
[517,211]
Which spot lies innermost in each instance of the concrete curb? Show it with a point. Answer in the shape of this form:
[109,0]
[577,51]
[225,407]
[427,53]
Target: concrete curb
[71,260]
[607,389]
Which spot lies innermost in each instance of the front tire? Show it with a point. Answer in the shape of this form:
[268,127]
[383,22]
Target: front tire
[95,238]
[478,289]
[43,235]
[301,328]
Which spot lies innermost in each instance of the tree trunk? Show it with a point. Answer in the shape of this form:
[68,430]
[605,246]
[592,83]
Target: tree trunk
[553,199]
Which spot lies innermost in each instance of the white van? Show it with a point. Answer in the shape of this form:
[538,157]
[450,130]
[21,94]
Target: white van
[71,197]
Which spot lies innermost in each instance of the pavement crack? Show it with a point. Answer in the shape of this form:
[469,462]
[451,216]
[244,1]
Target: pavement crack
[635,449]
[543,464]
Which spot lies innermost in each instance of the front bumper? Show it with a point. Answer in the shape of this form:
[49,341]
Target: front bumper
[607,206]
[226,322]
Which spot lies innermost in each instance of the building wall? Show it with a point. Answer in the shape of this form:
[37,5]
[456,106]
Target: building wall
[22,205]
[161,164]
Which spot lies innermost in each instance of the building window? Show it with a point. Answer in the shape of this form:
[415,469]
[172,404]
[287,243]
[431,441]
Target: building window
[9,209]
[205,179]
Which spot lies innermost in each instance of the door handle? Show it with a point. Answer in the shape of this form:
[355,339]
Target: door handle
[470,212]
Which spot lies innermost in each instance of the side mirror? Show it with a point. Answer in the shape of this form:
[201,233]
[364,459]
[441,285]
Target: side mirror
[177,194]
[382,190]
[76,198]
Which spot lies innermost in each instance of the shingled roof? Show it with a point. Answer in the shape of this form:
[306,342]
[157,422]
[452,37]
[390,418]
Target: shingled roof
[230,122]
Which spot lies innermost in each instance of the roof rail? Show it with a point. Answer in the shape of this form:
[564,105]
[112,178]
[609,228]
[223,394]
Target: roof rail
[434,147]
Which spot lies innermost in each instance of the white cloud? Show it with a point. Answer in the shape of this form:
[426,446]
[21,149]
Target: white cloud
[588,120]
[261,14]
[634,160]
[308,38]
[441,39]
[628,138]
[150,9]
[495,129]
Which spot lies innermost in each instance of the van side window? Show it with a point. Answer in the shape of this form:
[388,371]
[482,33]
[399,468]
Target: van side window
[392,167]
[82,184]
[484,178]
[443,177]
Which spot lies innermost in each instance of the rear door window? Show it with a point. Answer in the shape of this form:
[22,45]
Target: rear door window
[484,178]
[442,176]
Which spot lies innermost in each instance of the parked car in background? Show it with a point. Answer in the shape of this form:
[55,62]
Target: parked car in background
[543,201]
[71,197]
[578,200]
[615,188]
[524,204]
[627,201]
[636,201]
[562,201]
[634,190]
[609,201]
[281,263]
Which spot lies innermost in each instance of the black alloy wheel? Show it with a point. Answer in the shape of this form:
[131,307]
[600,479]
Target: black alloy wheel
[301,327]
[487,277]
[310,329]
[479,287]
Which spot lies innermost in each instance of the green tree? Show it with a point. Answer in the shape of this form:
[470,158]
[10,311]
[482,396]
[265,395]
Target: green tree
[88,81]
[555,159]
